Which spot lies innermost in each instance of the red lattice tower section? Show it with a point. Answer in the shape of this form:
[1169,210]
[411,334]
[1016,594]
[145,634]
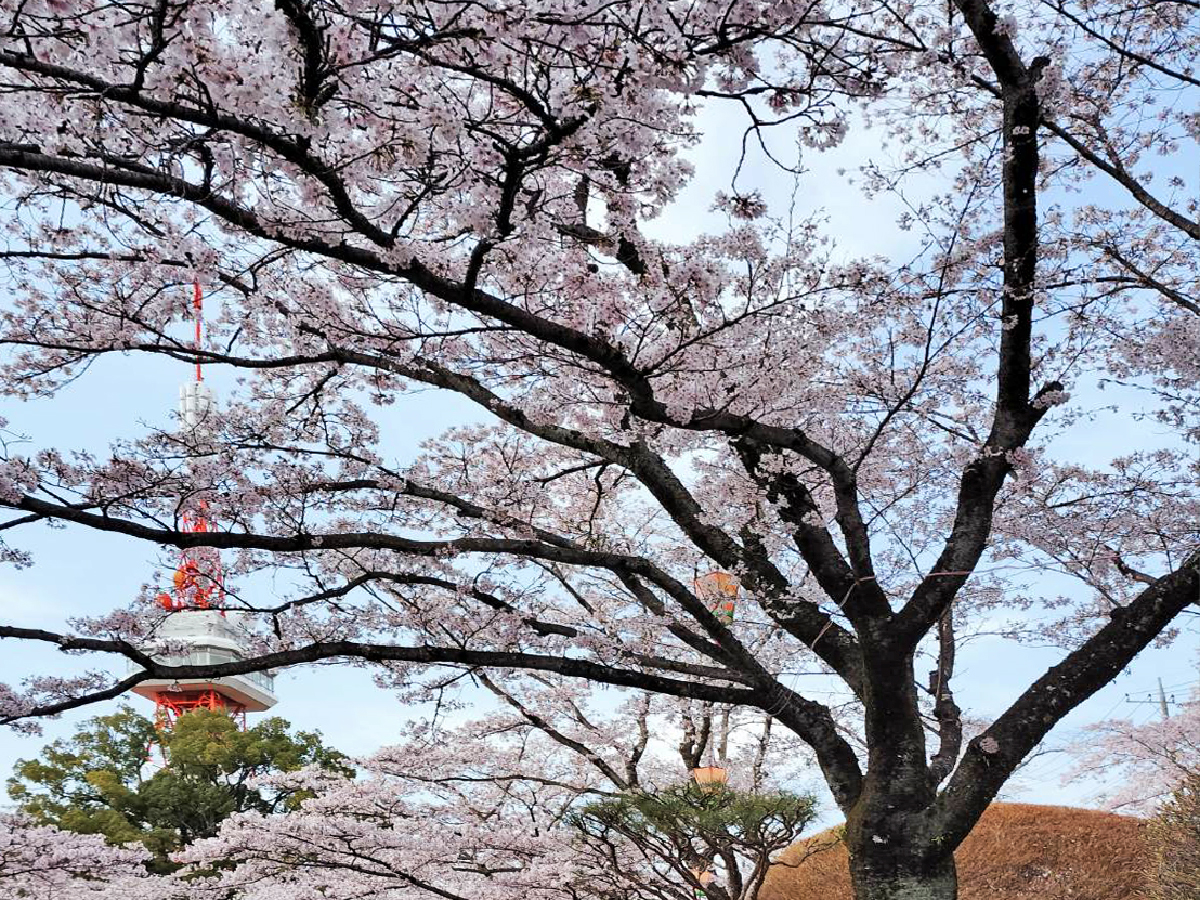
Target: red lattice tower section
[198,582]
[170,705]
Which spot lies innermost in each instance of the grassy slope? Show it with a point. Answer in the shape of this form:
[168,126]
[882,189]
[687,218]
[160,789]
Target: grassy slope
[1016,852]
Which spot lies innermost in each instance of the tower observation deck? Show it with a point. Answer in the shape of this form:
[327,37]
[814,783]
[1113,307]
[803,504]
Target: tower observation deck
[205,637]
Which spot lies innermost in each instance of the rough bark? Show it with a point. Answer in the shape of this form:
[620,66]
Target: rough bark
[938,884]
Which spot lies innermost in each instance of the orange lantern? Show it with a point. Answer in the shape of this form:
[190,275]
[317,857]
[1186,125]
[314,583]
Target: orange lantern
[705,878]
[710,777]
[720,591]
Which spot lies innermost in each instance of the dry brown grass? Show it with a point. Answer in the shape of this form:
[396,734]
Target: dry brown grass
[1016,852]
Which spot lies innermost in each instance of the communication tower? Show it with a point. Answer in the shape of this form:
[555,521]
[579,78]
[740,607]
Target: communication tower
[199,631]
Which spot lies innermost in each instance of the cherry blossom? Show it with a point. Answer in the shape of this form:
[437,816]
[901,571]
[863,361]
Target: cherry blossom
[1151,759]
[42,863]
[484,810]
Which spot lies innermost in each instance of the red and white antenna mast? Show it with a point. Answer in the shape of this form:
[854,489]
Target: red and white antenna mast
[198,582]
[197,595]
[198,315]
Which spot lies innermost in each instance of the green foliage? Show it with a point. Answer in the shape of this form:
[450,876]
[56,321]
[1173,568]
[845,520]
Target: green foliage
[654,845]
[1174,836]
[717,816]
[98,782]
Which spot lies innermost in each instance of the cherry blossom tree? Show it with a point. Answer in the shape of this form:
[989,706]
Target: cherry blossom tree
[40,862]
[528,801]
[460,196]
[1150,760]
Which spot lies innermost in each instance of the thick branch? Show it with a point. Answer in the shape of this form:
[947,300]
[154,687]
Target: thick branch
[993,756]
[379,653]
[315,70]
[797,506]
[811,721]
[1014,415]
[945,710]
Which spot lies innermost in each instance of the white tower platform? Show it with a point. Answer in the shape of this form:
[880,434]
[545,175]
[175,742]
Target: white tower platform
[210,639]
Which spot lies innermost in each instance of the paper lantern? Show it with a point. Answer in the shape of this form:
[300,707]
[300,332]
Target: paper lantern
[710,777]
[705,877]
[719,590]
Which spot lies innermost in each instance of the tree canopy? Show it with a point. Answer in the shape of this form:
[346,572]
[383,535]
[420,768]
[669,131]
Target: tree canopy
[885,433]
[102,780]
[559,799]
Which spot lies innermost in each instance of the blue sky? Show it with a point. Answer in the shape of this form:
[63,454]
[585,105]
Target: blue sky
[79,572]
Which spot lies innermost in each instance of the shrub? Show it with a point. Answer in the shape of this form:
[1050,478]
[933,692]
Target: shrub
[1174,837]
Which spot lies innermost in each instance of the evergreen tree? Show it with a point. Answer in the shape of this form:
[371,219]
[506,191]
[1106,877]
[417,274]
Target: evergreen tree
[683,831]
[101,781]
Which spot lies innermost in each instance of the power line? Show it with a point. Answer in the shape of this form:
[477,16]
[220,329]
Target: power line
[1164,705]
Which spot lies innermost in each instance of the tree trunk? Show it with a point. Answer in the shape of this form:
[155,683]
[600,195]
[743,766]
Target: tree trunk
[896,881]
[896,851]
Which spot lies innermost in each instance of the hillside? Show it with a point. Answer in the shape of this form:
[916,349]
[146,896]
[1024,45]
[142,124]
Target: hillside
[1016,852]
